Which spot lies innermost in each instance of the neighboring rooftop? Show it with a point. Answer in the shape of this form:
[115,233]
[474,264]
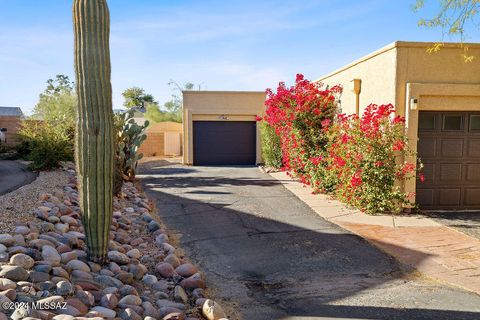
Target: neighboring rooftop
[11,111]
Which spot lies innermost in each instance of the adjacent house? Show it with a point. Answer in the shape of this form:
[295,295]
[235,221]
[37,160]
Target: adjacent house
[439,94]
[220,127]
[163,139]
[10,118]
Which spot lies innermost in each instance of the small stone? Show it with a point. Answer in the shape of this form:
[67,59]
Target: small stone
[165,269]
[14,273]
[22,260]
[85,297]
[6,284]
[6,239]
[150,310]
[109,301]
[174,316]
[51,300]
[161,285]
[66,257]
[168,248]
[180,295]
[51,255]
[64,288]
[108,281]
[161,238]
[173,260]
[128,290]
[2,248]
[186,270]
[134,254]
[130,300]
[77,304]
[115,268]
[10,294]
[22,230]
[149,279]
[118,257]
[212,310]
[161,303]
[62,227]
[77,265]
[193,282]
[104,312]
[125,277]
[153,226]
[69,311]
[129,313]
[36,276]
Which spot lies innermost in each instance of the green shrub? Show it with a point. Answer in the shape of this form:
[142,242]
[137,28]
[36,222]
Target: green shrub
[45,144]
[271,149]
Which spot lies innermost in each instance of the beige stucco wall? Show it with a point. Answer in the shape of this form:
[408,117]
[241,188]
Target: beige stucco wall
[403,71]
[219,106]
[154,145]
[377,74]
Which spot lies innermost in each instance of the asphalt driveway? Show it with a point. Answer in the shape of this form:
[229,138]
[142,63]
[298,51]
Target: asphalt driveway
[13,175]
[269,256]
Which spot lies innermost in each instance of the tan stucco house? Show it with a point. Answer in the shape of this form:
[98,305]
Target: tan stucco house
[220,127]
[439,94]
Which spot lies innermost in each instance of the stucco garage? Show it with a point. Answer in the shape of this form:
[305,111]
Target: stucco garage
[439,95]
[220,127]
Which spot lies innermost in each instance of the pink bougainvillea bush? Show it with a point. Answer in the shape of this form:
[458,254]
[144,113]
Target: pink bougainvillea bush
[363,164]
[300,115]
[357,159]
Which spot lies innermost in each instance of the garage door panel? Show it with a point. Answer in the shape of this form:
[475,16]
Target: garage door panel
[425,197]
[449,197]
[473,172]
[450,172]
[474,148]
[472,196]
[429,173]
[451,148]
[224,142]
[427,147]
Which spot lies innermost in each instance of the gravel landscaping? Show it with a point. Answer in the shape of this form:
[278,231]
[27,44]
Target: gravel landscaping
[16,206]
[45,273]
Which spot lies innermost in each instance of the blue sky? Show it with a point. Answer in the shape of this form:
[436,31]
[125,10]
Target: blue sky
[222,45]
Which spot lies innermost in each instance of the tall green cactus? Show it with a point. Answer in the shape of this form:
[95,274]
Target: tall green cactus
[94,150]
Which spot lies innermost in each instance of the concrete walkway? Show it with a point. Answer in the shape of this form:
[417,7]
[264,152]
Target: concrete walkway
[435,250]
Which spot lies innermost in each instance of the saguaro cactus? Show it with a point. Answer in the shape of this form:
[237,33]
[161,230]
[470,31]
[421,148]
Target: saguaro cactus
[94,150]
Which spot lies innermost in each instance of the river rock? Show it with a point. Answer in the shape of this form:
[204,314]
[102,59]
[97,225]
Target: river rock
[118,257]
[212,310]
[22,260]
[51,255]
[14,273]
[165,269]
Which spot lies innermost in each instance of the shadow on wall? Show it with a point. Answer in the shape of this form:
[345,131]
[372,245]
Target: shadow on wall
[293,267]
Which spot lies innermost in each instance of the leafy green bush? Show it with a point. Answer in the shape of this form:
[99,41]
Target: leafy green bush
[45,144]
[271,149]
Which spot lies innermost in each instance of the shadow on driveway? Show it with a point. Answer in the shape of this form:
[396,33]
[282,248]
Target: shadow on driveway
[269,256]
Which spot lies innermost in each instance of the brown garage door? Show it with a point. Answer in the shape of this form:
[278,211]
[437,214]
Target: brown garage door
[449,146]
[224,142]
